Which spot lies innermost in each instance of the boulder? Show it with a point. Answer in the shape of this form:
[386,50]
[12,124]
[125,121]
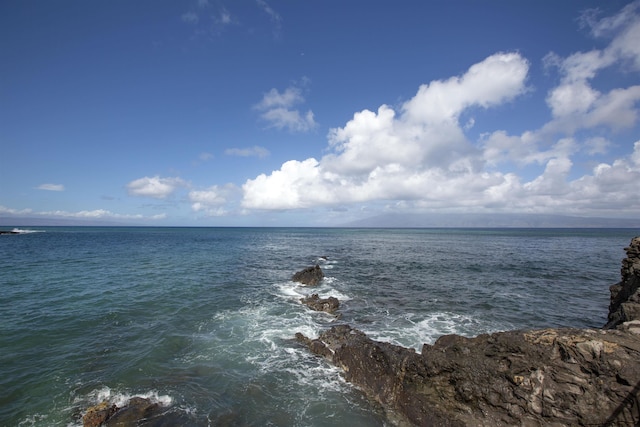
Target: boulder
[314,302]
[310,276]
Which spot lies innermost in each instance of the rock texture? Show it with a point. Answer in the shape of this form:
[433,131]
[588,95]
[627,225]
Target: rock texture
[314,302]
[310,276]
[625,296]
[138,411]
[560,377]
[98,414]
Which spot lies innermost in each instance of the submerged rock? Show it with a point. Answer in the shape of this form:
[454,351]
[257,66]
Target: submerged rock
[314,302]
[561,377]
[310,276]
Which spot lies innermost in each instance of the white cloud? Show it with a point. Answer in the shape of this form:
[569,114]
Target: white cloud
[156,187]
[575,103]
[9,211]
[84,214]
[255,151]
[51,187]
[211,201]
[277,109]
[597,145]
[418,155]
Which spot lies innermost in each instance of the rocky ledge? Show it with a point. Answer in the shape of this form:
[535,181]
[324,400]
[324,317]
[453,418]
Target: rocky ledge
[560,377]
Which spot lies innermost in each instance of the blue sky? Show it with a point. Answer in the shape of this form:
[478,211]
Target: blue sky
[265,112]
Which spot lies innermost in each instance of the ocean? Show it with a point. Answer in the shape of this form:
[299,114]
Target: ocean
[202,320]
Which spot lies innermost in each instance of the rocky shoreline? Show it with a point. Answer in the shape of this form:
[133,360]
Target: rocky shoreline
[559,376]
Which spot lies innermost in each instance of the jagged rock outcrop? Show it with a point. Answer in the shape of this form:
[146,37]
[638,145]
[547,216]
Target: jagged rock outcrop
[625,295]
[310,276]
[314,302]
[542,377]
[561,377]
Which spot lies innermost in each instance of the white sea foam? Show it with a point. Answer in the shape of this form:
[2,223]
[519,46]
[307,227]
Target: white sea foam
[265,340]
[120,398]
[413,330]
[295,291]
[25,231]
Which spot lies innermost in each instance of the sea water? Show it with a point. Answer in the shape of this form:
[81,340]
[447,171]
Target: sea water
[202,320]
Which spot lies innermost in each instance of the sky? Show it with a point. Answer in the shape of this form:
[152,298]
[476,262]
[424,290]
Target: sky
[317,112]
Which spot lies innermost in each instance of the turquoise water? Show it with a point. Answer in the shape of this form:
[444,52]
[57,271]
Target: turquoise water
[202,319]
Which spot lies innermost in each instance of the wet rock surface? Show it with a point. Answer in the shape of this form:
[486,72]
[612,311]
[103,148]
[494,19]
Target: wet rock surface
[560,376]
[314,302]
[310,276]
[138,411]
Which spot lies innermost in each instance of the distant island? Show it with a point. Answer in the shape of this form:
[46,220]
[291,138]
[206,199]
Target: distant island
[391,220]
[462,220]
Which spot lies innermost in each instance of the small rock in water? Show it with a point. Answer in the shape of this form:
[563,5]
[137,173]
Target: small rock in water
[310,276]
[316,303]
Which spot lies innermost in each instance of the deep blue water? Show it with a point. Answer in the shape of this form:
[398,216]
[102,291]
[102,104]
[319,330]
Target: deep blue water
[202,319]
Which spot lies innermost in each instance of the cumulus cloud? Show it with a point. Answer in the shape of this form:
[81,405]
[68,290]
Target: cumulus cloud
[419,155]
[277,109]
[415,153]
[155,187]
[255,151]
[51,187]
[575,103]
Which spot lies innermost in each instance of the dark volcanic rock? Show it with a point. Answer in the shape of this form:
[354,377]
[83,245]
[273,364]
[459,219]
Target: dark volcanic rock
[625,295]
[98,414]
[309,276]
[138,411]
[561,377]
[314,302]
[542,377]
